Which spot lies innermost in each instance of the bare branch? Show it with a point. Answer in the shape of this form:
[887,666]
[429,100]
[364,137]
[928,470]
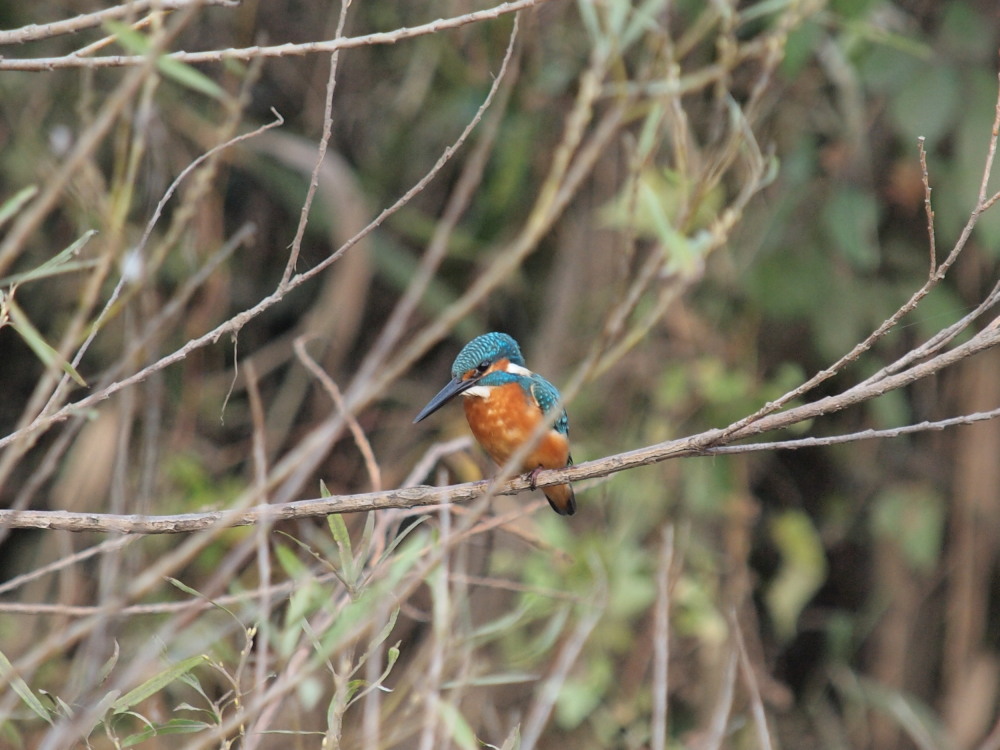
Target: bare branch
[280,50]
[926,180]
[707,443]
[34,32]
[324,142]
[235,323]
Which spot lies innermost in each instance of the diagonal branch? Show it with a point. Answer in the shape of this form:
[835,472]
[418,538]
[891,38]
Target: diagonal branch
[711,442]
[280,50]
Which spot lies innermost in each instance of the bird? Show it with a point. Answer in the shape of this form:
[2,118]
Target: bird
[504,403]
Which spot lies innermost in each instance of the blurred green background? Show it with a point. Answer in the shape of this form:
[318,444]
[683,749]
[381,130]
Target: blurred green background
[862,577]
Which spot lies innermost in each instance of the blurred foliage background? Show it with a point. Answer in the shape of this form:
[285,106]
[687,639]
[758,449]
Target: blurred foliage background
[850,592]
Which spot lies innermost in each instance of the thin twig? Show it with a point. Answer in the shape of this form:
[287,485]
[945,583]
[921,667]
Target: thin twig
[706,443]
[911,304]
[29,219]
[280,50]
[661,641]
[718,724]
[236,323]
[928,209]
[261,542]
[324,142]
[360,439]
[469,179]
[34,32]
[569,652]
[750,679]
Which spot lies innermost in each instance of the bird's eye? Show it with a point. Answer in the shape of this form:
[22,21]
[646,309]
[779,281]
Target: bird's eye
[483,366]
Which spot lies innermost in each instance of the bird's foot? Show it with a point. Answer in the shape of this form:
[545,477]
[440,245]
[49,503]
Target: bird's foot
[533,476]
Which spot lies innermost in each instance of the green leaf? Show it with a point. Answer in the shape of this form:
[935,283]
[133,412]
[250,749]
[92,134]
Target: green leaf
[912,518]
[803,570]
[588,14]
[20,687]
[928,104]
[179,72]
[384,633]
[458,728]
[59,263]
[109,663]
[513,741]
[13,204]
[49,356]
[174,726]
[194,79]
[367,533]
[156,683]
[185,588]
[343,539]
[507,678]
[966,34]
[910,714]
[642,19]
[850,218]
[580,697]
[290,562]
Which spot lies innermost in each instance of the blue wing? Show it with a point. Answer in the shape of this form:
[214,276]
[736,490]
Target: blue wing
[546,396]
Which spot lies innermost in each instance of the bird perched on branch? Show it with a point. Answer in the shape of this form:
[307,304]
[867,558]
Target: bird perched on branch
[504,404]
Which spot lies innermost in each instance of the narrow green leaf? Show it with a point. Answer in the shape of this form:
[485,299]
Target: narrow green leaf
[503,624]
[508,678]
[59,263]
[392,656]
[98,713]
[49,356]
[456,725]
[174,726]
[24,692]
[912,518]
[401,537]
[109,664]
[194,592]
[616,14]
[907,711]
[185,75]
[803,569]
[761,9]
[353,688]
[650,134]
[513,741]
[642,19]
[343,539]
[289,561]
[384,633]
[155,684]
[184,587]
[366,535]
[135,714]
[588,14]
[377,641]
[37,273]
[13,204]
[179,72]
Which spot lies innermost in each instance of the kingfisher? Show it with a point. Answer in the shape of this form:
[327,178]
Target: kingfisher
[504,403]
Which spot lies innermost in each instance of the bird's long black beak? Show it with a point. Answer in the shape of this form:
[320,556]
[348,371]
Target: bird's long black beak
[446,394]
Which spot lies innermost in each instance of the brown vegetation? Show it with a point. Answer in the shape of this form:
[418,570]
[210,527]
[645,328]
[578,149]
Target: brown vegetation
[242,243]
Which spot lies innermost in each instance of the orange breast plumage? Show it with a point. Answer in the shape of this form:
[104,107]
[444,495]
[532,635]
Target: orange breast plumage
[505,418]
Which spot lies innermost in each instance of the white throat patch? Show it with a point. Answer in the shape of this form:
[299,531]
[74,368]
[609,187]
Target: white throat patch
[518,370]
[483,391]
